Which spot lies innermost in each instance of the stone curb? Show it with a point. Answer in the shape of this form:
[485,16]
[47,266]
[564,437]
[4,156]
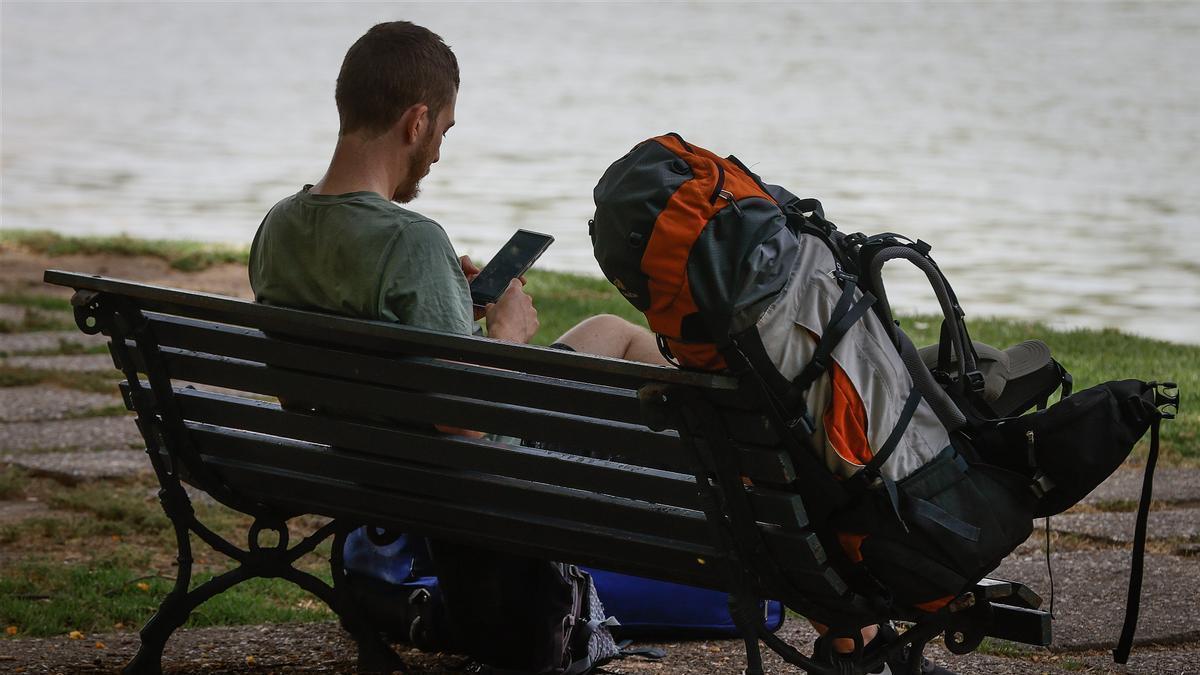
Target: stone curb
[1119,527]
[43,403]
[15,343]
[76,467]
[89,433]
[94,363]
[1170,485]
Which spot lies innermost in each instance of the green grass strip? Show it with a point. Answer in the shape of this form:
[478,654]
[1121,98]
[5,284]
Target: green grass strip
[187,256]
[98,382]
[44,597]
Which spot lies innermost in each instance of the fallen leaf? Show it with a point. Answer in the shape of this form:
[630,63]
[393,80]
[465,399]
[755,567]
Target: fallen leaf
[143,586]
[100,645]
[250,660]
[119,625]
[11,630]
[75,635]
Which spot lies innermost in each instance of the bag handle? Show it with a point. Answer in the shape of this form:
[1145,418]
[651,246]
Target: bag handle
[968,371]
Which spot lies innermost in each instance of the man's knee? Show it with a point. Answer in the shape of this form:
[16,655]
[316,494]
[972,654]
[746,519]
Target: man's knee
[603,334]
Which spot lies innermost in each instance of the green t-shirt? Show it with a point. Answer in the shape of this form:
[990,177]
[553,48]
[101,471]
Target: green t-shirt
[359,255]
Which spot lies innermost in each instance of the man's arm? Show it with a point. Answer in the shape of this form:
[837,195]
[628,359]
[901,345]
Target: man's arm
[511,318]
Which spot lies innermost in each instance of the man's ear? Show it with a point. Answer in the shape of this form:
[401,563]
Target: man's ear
[414,121]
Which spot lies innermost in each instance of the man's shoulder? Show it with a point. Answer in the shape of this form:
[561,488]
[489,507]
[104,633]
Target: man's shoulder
[361,210]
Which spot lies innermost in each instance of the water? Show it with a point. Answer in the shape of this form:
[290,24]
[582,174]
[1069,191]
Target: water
[1049,152]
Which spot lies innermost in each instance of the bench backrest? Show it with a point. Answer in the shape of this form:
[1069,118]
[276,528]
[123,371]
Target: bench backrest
[356,439]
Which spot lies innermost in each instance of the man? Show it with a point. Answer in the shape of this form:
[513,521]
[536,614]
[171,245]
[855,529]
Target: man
[343,245]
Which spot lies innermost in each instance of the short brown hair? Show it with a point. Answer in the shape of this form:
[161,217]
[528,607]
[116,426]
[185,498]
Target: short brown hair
[391,68]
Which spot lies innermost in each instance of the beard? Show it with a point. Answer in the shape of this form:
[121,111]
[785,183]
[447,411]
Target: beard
[418,167]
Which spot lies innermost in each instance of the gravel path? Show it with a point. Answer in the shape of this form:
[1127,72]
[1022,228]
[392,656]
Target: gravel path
[325,648]
[91,363]
[100,433]
[40,341]
[46,404]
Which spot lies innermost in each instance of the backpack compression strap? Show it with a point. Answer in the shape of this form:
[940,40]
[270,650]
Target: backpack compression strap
[1133,601]
[1168,407]
[846,313]
[789,394]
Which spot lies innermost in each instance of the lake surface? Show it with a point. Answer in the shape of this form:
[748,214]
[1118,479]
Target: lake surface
[1049,152]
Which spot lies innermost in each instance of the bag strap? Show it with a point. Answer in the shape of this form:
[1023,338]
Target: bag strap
[846,313]
[1133,600]
[821,492]
[871,470]
[1166,406]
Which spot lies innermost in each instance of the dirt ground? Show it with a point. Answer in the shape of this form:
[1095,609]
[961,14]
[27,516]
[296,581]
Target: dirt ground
[21,272]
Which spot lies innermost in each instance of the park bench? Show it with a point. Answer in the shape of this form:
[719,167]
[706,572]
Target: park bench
[671,474]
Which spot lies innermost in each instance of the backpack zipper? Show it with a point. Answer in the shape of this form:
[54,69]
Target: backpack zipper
[712,199]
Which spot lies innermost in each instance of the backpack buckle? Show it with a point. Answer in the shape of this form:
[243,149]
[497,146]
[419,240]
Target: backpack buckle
[1166,399]
[975,381]
[843,276]
[804,419]
[1041,485]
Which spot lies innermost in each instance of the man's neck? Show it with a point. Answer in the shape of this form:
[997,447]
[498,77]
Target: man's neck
[360,166]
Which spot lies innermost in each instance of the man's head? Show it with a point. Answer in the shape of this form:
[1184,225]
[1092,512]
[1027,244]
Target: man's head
[391,68]
[400,80]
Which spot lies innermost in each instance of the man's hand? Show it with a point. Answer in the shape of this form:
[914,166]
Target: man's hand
[512,317]
[470,271]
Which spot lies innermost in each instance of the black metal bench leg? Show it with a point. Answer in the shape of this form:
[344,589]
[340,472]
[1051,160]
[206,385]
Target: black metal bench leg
[172,614]
[173,611]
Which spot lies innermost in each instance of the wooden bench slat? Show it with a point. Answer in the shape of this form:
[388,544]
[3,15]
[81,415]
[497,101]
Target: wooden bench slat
[418,408]
[554,538]
[615,478]
[801,549]
[416,372]
[383,337]
[471,488]
[440,450]
[628,443]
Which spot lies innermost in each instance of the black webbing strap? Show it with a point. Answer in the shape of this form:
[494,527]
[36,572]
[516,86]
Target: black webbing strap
[845,314]
[821,492]
[893,440]
[1134,600]
[872,468]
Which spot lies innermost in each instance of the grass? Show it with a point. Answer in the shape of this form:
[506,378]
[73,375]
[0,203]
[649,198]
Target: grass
[12,482]
[43,597]
[565,299]
[104,558]
[43,312]
[97,382]
[37,320]
[44,302]
[186,256]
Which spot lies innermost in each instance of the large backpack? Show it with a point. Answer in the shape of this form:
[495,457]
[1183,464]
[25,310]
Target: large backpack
[732,273]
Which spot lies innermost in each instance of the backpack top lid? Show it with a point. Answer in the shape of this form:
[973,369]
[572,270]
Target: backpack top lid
[693,240]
